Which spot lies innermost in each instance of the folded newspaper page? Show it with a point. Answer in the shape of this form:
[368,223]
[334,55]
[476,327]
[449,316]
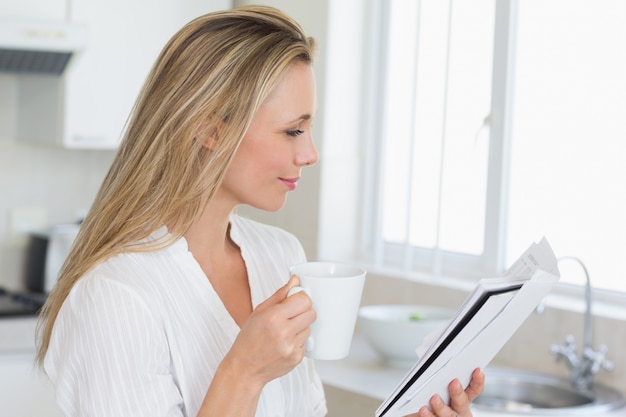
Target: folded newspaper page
[490,315]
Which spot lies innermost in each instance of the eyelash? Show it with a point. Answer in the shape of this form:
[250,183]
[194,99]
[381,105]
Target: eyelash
[294,133]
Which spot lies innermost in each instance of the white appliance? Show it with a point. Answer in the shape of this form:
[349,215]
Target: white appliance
[60,240]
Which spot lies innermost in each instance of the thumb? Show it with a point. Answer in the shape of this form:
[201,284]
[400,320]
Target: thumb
[280,295]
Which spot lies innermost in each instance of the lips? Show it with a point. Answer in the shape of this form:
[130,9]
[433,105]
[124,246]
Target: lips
[291,183]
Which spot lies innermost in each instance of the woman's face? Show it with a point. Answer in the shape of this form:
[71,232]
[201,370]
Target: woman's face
[277,145]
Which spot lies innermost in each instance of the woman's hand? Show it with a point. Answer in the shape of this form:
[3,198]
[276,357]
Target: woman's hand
[271,342]
[460,399]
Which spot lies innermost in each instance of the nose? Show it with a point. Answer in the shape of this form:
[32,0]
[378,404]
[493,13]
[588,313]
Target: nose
[308,154]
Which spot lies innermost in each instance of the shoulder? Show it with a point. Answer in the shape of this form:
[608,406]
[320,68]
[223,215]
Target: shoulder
[137,275]
[119,280]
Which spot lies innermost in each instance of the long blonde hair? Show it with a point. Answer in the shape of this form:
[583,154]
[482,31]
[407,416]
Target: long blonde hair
[212,76]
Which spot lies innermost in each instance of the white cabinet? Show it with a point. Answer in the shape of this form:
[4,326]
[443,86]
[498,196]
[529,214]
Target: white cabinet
[88,106]
[24,390]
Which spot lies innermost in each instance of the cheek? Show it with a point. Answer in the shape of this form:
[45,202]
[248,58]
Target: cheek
[263,160]
[272,162]
[253,164]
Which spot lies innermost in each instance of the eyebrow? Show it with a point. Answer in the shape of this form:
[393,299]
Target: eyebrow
[300,119]
[303,117]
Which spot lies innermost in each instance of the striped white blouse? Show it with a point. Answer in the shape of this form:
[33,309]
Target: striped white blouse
[143,333]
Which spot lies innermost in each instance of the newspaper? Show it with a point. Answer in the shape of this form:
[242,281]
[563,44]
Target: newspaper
[490,315]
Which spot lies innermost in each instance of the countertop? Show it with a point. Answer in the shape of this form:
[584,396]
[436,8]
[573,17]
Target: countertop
[363,373]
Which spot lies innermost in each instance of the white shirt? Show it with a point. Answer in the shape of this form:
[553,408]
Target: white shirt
[143,333]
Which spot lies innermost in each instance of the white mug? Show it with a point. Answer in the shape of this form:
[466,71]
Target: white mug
[335,290]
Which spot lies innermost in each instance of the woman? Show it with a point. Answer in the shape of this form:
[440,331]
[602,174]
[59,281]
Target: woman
[169,303]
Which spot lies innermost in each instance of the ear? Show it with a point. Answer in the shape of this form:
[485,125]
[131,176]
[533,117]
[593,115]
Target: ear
[207,134]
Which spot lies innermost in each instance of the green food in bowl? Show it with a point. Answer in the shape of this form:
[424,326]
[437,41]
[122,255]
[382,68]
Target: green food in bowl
[416,317]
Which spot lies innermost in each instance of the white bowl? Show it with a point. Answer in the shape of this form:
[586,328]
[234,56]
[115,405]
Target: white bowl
[394,331]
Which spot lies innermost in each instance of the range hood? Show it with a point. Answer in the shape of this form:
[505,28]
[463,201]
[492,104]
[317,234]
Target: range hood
[39,47]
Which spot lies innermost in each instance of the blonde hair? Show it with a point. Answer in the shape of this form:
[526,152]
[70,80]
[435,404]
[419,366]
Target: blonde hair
[210,78]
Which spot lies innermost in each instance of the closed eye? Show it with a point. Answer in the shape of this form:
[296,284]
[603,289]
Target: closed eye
[295,132]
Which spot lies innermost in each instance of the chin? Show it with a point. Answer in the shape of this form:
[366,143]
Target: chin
[271,206]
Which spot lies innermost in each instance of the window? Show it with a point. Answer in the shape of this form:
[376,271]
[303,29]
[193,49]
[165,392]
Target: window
[568,142]
[502,122]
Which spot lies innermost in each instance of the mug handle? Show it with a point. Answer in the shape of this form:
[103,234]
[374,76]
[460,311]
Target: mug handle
[310,342]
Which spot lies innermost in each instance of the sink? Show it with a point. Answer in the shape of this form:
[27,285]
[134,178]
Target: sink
[520,392]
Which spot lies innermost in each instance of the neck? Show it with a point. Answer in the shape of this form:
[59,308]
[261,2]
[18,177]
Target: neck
[210,231]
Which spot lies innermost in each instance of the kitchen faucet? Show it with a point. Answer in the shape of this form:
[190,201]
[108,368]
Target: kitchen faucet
[590,362]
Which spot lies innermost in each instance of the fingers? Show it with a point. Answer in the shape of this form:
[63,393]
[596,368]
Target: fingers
[282,292]
[298,303]
[460,399]
[293,314]
[437,409]
[476,386]
[280,295]
[294,281]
